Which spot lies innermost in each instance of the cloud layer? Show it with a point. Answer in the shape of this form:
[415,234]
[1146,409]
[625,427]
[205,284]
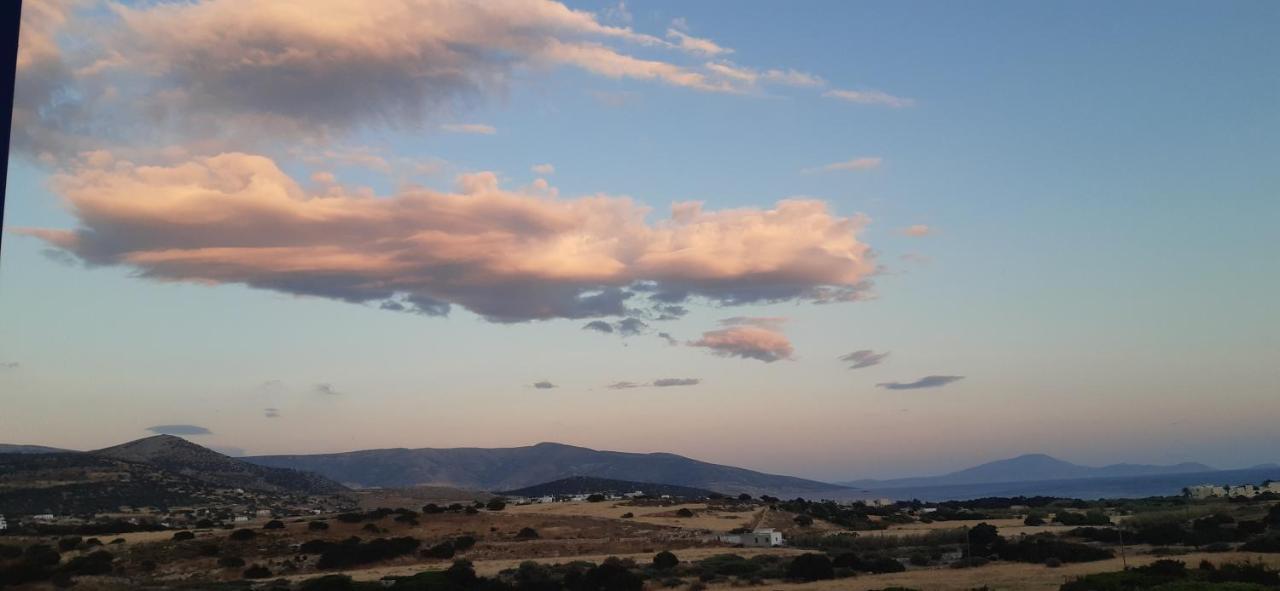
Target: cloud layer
[925,382]
[508,256]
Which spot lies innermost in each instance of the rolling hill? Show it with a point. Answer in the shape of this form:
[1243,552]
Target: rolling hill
[1031,468]
[580,485]
[179,456]
[519,467]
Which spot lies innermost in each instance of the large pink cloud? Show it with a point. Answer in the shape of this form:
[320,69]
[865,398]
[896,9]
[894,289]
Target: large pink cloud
[506,255]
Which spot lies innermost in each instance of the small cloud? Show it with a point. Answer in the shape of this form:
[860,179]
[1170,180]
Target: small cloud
[863,358]
[543,169]
[623,385]
[870,97]
[627,327]
[472,128]
[10,365]
[860,163]
[544,385]
[917,230]
[696,45]
[598,326]
[179,430]
[925,382]
[327,390]
[61,257]
[748,338]
[668,338]
[669,382]
[271,413]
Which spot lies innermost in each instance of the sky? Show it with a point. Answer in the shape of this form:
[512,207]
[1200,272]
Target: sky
[842,240]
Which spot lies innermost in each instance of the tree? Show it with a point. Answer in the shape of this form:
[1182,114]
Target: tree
[1033,520]
[982,537]
[495,504]
[684,512]
[665,560]
[595,498]
[803,520]
[242,535]
[810,567]
[527,533]
[317,526]
[744,497]
[273,524]
[183,535]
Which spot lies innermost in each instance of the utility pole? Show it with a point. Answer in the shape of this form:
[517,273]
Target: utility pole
[1123,559]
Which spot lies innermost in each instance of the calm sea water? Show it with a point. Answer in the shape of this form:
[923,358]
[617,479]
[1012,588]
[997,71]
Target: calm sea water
[1089,488]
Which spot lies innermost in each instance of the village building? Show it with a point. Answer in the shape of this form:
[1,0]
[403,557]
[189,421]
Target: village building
[759,538]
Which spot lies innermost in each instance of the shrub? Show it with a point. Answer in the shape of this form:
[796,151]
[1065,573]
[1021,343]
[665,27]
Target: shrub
[596,498]
[803,520]
[1033,520]
[273,524]
[684,512]
[970,562]
[1269,543]
[230,562]
[628,515]
[1038,548]
[463,543]
[811,567]
[443,550]
[918,559]
[204,523]
[471,510]
[882,565]
[527,533]
[611,576]
[352,551]
[495,505]
[328,583]
[665,560]
[69,543]
[242,535]
[257,571]
[317,526]
[1052,562]
[432,508]
[183,535]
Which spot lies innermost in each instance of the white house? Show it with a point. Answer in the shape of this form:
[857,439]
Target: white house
[3,524]
[760,538]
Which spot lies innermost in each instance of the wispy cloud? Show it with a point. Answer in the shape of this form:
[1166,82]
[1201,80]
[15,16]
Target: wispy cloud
[626,327]
[543,169]
[472,128]
[326,390]
[544,385]
[10,365]
[271,413]
[658,383]
[870,97]
[925,382]
[179,430]
[863,358]
[860,163]
[917,230]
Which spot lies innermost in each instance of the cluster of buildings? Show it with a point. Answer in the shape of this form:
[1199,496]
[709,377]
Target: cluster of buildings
[576,498]
[1208,491]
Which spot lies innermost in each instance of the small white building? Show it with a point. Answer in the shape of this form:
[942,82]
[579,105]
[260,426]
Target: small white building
[881,502]
[761,538]
[3,524]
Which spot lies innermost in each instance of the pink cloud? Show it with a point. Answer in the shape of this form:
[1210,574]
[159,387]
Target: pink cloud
[917,230]
[758,338]
[506,255]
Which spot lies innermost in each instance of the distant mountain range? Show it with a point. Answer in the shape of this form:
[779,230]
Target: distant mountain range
[518,467]
[9,448]
[582,485]
[1030,468]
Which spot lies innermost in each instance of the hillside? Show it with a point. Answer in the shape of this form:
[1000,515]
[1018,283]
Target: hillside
[519,467]
[74,482]
[182,457]
[580,485]
[1031,468]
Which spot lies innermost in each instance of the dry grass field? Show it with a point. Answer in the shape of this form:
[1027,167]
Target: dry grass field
[703,518]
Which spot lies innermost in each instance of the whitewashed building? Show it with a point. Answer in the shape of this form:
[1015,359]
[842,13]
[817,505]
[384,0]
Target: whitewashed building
[761,538]
[3,524]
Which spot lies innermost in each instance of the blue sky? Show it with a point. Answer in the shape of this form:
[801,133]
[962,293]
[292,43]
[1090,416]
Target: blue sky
[1099,181]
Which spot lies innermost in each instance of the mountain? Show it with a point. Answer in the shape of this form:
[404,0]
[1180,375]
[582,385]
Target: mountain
[65,483]
[518,467]
[1030,468]
[179,456]
[10,448]
[581,485]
